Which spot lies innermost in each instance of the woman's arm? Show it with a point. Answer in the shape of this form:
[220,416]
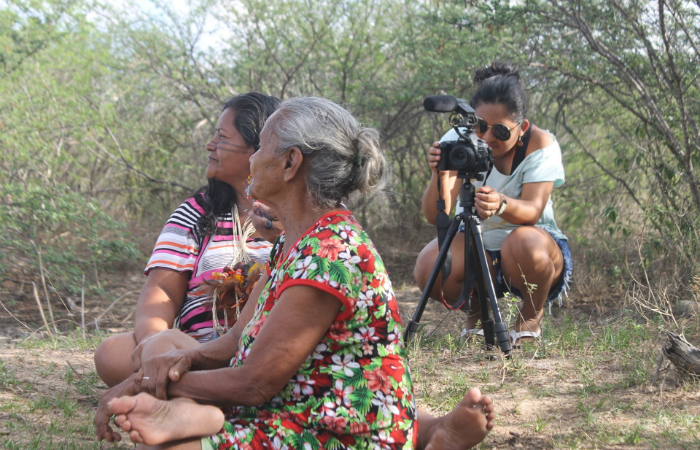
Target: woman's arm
[449,187]
[159,302]
[527,210]
[157,372]
[218,353]
[291,332]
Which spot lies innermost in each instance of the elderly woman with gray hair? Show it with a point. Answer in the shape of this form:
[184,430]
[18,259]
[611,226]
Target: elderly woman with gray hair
[318,361]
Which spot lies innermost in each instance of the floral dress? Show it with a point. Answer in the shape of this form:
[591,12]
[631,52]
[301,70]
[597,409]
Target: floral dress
[354,390]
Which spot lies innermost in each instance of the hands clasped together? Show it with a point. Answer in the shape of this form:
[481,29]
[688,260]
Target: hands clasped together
[158,371]
[151,376]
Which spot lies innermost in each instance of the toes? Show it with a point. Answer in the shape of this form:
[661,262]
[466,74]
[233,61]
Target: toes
[135,437]
[126,426]
[486,400]
[120,419]
[121,405]
[489,409]
[471,398]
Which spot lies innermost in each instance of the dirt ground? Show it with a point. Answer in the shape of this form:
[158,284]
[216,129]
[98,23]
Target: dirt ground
[595,381]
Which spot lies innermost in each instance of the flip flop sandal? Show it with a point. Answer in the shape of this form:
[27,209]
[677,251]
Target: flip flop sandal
[515,335]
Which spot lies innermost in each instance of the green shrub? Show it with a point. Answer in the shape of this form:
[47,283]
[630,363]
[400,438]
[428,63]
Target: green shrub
[71,230]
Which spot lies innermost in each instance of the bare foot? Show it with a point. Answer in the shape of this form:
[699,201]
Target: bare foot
[466,425]
[104,431]
[152,422]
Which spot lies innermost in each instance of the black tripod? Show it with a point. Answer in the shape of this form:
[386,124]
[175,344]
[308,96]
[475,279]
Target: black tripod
[495,330]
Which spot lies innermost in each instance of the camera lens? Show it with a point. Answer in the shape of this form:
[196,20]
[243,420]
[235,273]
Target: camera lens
[461,156]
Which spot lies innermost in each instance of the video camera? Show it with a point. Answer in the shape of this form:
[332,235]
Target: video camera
[468,154]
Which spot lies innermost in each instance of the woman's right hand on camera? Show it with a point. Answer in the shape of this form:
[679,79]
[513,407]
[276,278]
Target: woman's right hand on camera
[157,372]
[434,156]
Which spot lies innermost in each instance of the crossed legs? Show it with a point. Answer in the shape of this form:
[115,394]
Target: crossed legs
[179,424]
[152,422]
[114,365]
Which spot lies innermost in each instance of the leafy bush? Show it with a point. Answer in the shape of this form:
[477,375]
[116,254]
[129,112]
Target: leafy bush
[71,230]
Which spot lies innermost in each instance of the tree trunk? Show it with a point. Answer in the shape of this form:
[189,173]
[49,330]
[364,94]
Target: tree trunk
[682,354]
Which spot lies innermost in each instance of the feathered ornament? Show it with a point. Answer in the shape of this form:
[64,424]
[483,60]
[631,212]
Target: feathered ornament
[233,286]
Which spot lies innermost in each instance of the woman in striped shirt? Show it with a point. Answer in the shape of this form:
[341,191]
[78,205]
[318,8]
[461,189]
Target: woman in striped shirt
[197,240]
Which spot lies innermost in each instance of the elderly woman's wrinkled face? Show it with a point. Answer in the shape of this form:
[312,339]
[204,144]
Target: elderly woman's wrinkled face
[266,166]
[229,153]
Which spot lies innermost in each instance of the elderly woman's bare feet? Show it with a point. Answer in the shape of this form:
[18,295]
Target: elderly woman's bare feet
[466,425]
[152,422]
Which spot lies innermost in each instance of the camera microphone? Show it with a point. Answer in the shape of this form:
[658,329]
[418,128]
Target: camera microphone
[440,103]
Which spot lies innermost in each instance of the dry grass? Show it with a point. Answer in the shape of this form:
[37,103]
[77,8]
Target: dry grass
[595,381]
[591,384]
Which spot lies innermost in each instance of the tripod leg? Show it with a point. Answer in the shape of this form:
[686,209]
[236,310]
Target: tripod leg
[483,296]
[487,294]
[412,326]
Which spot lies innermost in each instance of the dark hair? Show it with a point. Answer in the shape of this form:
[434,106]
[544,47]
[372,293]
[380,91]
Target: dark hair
[500,84]
[251,110]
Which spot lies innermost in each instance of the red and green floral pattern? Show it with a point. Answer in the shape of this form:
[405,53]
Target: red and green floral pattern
[354,391]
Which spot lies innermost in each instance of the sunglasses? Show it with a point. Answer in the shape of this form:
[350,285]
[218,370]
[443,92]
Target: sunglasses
[500,131]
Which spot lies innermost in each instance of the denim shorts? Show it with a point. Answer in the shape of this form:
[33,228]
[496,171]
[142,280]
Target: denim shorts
[555,293]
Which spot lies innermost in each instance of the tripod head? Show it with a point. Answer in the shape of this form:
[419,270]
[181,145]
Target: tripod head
[471,175]
[467,192]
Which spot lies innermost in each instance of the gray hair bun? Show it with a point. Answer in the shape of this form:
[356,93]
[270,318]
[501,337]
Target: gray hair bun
[341,155]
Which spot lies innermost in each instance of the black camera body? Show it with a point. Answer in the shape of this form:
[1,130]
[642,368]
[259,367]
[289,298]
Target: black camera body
[468,154]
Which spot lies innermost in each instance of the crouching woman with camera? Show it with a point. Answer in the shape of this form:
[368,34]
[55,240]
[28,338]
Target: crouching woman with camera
[527,253]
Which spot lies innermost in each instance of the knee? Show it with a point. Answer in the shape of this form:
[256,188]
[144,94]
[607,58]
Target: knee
[110,351]
[167,335]
[103,353]
[523,243]
[166,338]
[424,264]
[527,247]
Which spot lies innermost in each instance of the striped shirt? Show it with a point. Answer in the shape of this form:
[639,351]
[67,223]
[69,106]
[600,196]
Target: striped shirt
[180,248]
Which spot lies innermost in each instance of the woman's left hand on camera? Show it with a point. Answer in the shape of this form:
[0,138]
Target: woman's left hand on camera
[487,201]
[434,156]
